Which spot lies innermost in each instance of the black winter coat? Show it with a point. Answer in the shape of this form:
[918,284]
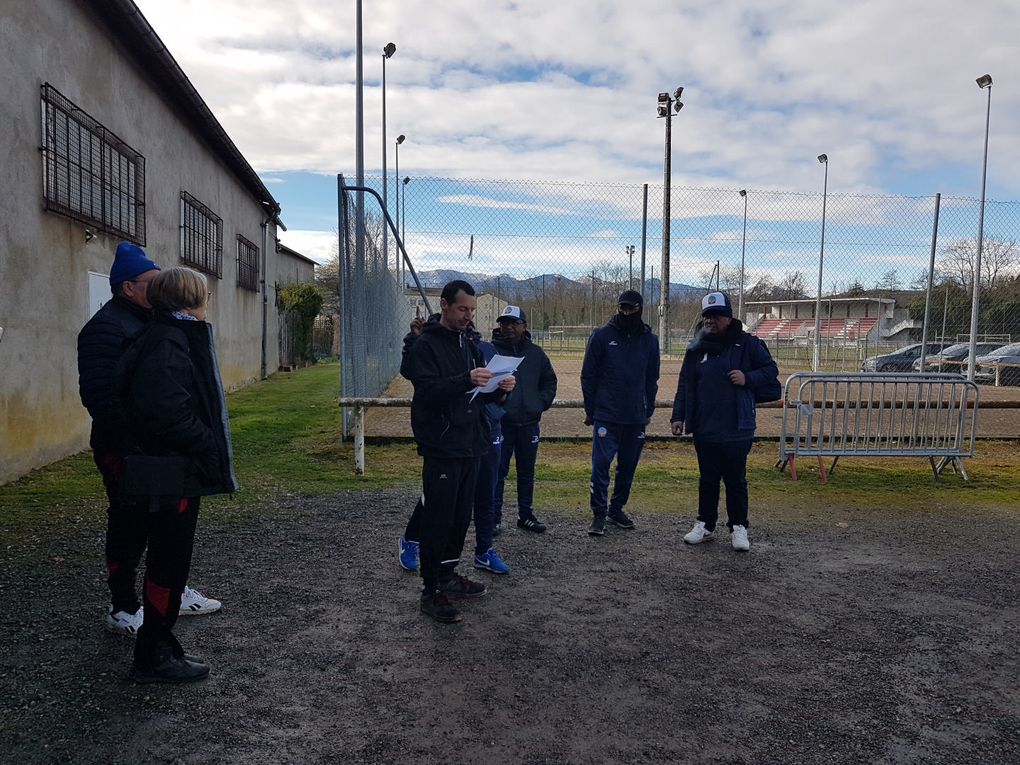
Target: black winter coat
[536,381]
[620,374]
[445,422]
[171,384]
[101,343]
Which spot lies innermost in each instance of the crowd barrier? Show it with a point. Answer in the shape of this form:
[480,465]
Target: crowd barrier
[878,415]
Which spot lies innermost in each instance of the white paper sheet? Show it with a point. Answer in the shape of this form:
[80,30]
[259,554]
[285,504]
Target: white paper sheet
[501,367]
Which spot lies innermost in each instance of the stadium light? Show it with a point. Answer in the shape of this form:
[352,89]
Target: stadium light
[396,191]
[824,159]
[985,83]
[387,52]
[667,104]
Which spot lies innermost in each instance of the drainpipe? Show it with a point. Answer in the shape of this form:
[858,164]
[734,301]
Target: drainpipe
[265,296]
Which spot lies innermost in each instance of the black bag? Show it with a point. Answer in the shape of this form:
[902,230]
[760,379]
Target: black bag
[771,390]
[168,476]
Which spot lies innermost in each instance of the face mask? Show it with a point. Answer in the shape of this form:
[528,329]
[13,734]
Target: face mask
[630,323]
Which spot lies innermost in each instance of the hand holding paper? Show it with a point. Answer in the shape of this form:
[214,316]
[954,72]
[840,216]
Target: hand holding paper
[499,368]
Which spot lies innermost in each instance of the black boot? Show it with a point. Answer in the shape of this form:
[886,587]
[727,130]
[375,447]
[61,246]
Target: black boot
[163,665]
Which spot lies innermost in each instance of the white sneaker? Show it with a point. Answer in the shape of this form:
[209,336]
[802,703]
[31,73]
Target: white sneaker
[738,537]
[698,534]
[123,623]
[193,603]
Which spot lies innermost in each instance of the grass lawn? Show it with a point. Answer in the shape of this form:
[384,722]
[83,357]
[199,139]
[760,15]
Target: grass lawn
[287,442]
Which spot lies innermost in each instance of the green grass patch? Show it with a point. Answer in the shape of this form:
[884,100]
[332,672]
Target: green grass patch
[287,442]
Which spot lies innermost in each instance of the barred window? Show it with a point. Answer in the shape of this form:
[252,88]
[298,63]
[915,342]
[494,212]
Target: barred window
[89,174]
[247,264]
[201,236]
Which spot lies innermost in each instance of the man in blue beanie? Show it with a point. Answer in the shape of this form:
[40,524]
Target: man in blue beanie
[101,343]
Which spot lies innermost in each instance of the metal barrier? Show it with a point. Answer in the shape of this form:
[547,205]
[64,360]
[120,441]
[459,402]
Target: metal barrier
[878,415]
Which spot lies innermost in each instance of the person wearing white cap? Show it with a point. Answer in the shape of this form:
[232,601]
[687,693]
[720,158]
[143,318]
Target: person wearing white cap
[725,371]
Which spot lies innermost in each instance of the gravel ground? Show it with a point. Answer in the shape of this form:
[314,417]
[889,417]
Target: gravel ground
[840,638]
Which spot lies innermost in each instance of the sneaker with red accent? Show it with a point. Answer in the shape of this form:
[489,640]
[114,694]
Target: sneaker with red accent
[193,603]
[124,623]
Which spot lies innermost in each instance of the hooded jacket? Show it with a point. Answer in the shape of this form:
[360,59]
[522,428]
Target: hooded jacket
[710,405]
[536,380]
[170,382]
[445,421]
[620,374]
[101,343]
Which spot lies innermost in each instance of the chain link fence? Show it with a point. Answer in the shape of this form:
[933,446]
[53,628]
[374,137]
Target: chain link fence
[565,251]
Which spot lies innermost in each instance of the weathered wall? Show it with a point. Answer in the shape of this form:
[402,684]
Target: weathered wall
[44,258]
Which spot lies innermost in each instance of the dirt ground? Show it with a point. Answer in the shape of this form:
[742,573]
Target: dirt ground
[840,638]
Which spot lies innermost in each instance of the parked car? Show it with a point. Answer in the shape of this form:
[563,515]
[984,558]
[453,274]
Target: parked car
[901,360]
[1005,355]
[953,358]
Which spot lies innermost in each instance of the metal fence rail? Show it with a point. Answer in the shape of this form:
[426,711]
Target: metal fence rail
[878,415]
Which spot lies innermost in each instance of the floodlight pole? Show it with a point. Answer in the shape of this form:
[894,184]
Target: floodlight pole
[667,103]
[388,51]
[743,247]
[984,82]
[630,274]
[824,159]
[396,194]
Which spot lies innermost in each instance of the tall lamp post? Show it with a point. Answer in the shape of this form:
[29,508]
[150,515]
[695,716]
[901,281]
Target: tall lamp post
[667,105]
[985,83]
[743,248]
[824,159]
[387,52]
[396,190]
[403,212]
[629,249]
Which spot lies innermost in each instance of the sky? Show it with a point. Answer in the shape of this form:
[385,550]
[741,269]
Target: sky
[566,92]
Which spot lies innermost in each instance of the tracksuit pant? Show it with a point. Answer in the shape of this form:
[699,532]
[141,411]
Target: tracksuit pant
[126,533]
[624,442]
[448,489]
[725,461]
[171,528]
[521,443]
[485,494]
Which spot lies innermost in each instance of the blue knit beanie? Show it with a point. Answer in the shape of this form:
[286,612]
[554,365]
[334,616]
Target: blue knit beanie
[129,262]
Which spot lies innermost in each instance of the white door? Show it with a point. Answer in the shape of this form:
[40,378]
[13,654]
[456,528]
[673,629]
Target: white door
[99,293]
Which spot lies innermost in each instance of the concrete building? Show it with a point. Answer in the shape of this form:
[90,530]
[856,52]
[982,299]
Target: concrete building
[104,139]
[844,319]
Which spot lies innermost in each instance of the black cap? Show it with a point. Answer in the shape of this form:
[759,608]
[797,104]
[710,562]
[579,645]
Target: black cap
[630,297]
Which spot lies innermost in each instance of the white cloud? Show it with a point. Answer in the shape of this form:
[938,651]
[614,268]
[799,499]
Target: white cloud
[317,245]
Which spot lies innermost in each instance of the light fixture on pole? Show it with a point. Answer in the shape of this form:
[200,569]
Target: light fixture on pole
[387,52]
[824,159]
[743,247]
[629,249]
[985,83]
[396,186]
[667,105]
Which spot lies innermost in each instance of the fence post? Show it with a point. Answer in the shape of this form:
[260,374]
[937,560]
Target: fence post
[359,440]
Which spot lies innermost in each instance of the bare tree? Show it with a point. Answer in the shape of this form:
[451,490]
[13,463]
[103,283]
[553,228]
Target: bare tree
[890,281]
[999,262]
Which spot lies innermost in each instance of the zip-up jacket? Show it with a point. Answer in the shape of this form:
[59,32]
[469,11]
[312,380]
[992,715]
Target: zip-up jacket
[536,380]
[445,421]
[709,404]
[101,343]
[171,386]
[620,374]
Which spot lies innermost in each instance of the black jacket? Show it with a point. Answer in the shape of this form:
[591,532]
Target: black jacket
[536,381]
[620,374]
[101,343]
[445,422]
[171,385]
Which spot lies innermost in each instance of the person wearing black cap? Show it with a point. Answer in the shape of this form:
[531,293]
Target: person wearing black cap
[619,380]
[725,370]
[534,394]
[101,343]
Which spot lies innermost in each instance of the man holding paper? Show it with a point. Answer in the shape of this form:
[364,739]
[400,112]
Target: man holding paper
[536,389]
[450,428]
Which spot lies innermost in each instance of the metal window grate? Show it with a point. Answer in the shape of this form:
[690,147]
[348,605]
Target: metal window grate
[247,264]
[201,236]
[89,174]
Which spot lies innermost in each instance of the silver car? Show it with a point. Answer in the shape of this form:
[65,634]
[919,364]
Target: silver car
[1004,360]
[953,358]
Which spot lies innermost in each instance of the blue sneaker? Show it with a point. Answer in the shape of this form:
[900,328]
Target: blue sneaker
[491,562]
[407,554]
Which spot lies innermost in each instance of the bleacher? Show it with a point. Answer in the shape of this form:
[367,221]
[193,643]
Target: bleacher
[836,329]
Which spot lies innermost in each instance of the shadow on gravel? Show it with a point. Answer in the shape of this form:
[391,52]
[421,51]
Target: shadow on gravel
[875,642]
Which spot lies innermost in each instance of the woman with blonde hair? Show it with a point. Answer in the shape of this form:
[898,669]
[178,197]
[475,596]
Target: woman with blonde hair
[179,451]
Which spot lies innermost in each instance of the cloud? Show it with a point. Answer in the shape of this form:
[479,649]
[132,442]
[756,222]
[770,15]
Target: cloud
[317,245]
[468,200]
